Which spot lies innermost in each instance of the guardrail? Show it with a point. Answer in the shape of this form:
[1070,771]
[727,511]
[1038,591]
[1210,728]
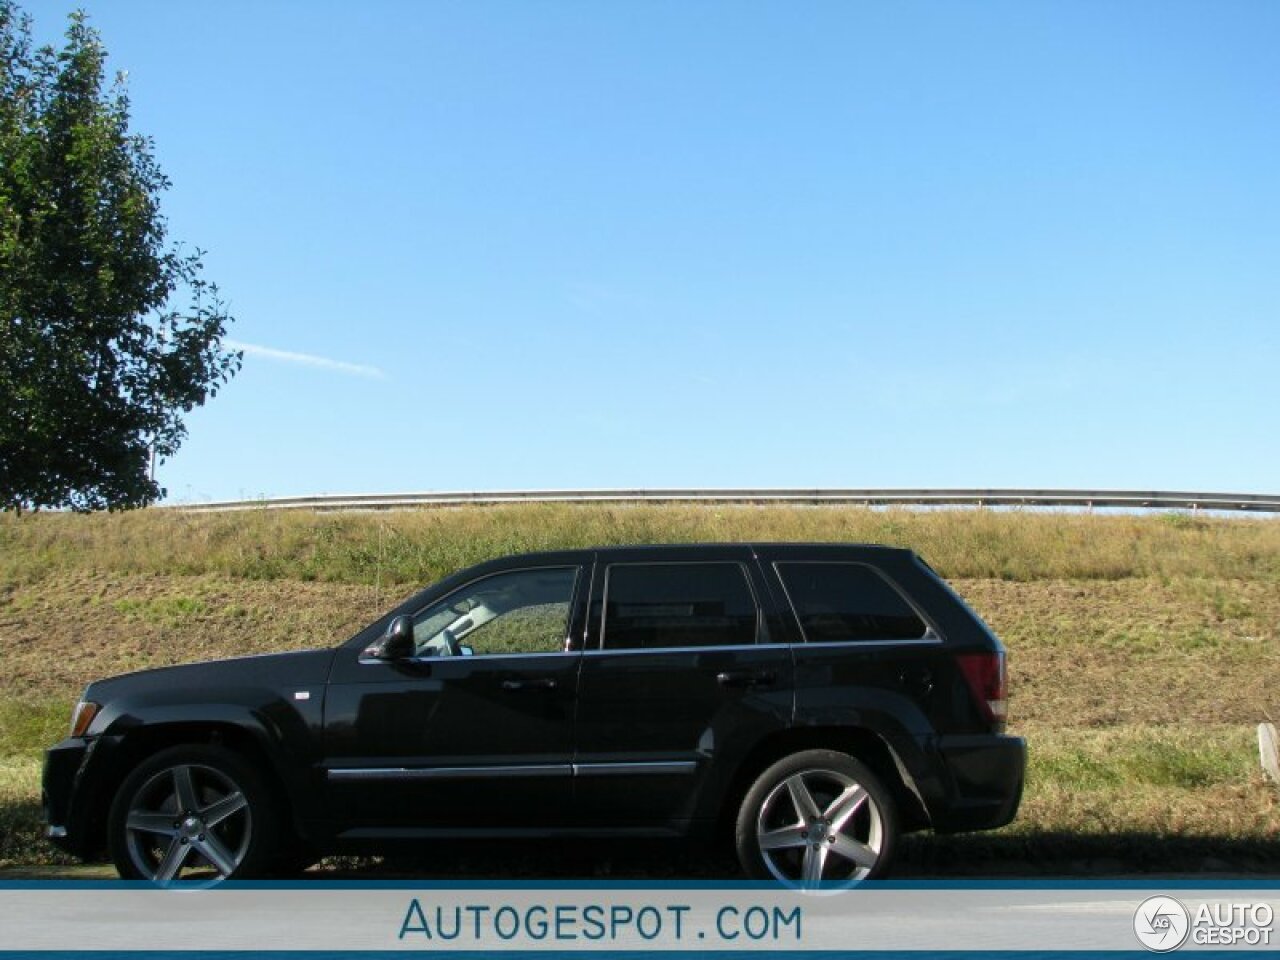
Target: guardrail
[1088,499]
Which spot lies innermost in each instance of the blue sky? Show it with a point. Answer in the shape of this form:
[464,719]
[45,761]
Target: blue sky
[644,244]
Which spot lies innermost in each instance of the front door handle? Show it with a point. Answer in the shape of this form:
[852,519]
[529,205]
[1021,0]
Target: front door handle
[745,678]
[546,683]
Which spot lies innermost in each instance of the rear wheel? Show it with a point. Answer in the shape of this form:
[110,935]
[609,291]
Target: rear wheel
[192,814]
[817,819]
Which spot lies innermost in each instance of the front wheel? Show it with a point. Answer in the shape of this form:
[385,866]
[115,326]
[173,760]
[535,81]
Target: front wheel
[816,819]
[191,814]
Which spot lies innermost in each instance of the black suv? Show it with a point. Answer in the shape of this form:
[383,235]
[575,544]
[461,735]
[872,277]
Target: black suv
[814,701]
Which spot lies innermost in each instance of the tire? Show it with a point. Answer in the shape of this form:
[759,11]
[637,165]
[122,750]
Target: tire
[846,834]
[193,814]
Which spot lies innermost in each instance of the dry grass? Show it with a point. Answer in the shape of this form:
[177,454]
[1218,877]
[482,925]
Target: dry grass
[1142,649]
[421,546]
[21,834]
[59,633]
[1179,780]
[1082,653]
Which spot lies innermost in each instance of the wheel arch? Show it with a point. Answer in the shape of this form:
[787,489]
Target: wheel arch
[858,742]
[146,740]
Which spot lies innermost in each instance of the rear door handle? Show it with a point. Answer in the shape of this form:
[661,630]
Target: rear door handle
[745,678]
[546,683]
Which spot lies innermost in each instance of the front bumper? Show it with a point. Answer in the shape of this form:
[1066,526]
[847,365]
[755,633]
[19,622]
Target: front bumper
[64,767]
[987,774]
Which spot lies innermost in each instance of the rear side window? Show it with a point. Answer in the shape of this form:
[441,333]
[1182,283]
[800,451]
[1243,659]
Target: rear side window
[848,602]
[678,605]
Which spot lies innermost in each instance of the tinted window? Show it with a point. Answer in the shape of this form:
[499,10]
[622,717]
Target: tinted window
[524,611]
[848,601]
[678,605]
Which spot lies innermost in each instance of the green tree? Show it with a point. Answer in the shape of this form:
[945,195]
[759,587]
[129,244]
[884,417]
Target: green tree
[108,332]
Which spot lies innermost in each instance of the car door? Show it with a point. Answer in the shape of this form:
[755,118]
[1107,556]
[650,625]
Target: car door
[681,677]
[475,731]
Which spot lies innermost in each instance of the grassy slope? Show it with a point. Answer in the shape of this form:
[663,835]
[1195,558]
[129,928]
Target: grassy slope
[1141,647]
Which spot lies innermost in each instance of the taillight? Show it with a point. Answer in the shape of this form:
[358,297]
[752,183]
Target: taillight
[985,674]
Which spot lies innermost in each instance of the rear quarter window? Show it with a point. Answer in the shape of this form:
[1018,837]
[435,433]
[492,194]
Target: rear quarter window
[848,603]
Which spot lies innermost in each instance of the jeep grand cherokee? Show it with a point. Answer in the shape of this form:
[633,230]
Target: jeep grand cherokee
[811,701]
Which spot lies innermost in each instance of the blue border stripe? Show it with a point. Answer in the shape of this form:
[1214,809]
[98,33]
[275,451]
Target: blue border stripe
[600,955]
[611,955]
[728,886]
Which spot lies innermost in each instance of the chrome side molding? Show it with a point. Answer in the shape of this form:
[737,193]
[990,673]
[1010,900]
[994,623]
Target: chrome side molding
[516,770]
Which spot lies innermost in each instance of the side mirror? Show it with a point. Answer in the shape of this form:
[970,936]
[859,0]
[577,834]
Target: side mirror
[396,643]
[466,650]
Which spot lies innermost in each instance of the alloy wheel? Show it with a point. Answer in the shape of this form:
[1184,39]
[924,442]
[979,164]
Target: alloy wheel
[188,823]
[820,828]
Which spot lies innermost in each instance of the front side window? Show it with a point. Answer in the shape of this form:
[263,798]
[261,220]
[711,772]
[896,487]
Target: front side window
[524,611]
[652,605]
[838,602]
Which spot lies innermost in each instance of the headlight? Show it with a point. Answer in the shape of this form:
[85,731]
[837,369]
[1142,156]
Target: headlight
[82,716]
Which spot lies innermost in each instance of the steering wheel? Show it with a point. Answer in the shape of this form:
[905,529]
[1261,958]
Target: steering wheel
[451,646]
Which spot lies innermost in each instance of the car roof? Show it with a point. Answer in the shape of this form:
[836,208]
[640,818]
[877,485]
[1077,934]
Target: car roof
[784,547]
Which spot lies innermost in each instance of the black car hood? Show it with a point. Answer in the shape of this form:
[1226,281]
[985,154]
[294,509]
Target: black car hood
[302,668]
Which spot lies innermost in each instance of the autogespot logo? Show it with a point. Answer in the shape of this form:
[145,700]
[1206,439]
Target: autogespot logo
[1161,924]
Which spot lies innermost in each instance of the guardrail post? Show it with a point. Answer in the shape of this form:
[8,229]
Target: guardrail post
[1267,751]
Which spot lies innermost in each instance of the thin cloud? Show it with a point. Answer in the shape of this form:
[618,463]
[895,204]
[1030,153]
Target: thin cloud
[307,360]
